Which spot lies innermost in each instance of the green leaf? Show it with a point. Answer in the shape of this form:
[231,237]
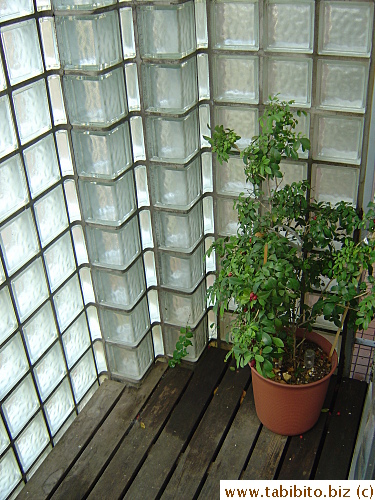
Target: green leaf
[259,358]
[278,342]
[267,349]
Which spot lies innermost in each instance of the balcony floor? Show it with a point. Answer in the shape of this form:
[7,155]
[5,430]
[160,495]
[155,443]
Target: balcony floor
[185,429]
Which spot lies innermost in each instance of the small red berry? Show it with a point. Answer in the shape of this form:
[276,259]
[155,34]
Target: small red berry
[230,274]
[250,240]
[314,217]
[245,309]
[338,413]
[301,437]
[252,296]
[252,363]
[255,297]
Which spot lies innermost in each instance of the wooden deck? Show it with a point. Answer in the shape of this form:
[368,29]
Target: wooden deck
[185,429]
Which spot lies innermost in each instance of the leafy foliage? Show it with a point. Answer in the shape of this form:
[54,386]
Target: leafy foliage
[181,346]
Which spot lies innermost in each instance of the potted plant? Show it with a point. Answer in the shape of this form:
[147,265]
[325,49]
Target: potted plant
[288,247]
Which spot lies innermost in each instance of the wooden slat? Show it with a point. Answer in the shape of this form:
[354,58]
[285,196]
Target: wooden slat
[342,431]
[204,444]
[136,444]
[174,437]
[235,450]
[73,443]
[96,455]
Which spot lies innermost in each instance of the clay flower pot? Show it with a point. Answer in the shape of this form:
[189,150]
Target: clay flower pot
[291,409]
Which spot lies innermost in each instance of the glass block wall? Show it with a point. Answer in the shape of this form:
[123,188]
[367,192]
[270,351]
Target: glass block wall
[109,195]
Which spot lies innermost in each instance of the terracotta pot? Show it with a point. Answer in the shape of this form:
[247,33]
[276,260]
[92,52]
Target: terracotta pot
[291,409]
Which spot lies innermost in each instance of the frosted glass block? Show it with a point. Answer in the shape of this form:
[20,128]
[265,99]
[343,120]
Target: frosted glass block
[79,245]
[94,326]
[183,310]
[102,154]
[63,149]
[203,76]
[30,289]
[130,363]
[143,199]
[170,88]
[89,42]
[173,140]
[4,439]
[68,302]
[132,88]
[13,364]
[8,322]
[20,406]
[22,64]
[204,124]
[87,286]
[157,340]
[51,215]
[2,276]
[39,461]
[339,139]
[3,83]
[146,229]
[138,141]
[289,26]
[13,191]
[176,187]
[181,272]
[292,172]
[59,259]
[114,249]
[179,232]
[208,215]
[10,475]
[49,371]
[166,31]
[32,111]
[342,85]
[101,363]
[243,120]
[71,196]
[207,181]
[120,290]
[41,164]
[76,340]
[127,32]
[49,42]
[290,78]
[153,304]
[57,101]
[150,270]
[109,204]
[81,4]
[96,100]
[11,10]
[210,261]
[8,141]
[201,23]
[236,79]
[231,178]
[235,24]
[334,184]
[199,341]
[43,5]
[83,376]
[32,441]
[40,332]
[18,241]
[345,28]
[226,217]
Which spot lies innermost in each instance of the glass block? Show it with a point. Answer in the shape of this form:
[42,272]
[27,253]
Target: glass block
[74,210]
[150,269]
[120,290]
[176,187]
[100,360]
[179,232]
[166,31]
[96,100]
[32,111]
[207,180]
[40,332]
[13,191]
[138,141]
[244,121]
[40,460]
[342,85]
[226,217]
[3,83]
[20,406]
[8,141]
[41,164]
[87,286]
[170,88]
[89,42]
[30,289]
[231,178]
[181,272]
[4,438]
[68,302]
[64,428]
[345,28]
[32,441]
[76,340]
[143,198]
[57,100]
[201,23]
[235,24]
[49,42]
[339,139]
[146,229]
[94,325]
[127,32]
[22,64]
[11,10]
[109,204]
[302,126]
[2,276]
[290,79]
[199,340]
[51,215]
[18,241]
[157,340]
[153,304]
[114,249]
[132,87]
[183,310]
[173,140]
[208,215]
[334,184]
[13,364]
[89,394]
[210,261]
[43,5]
[81,4]
[49,371]
[204,124]
[236,79]
[59,259]
[289,26]
[10,474]
[8,322]
[83,375]
[79,245]
[63,149]
[292,172]
[203,76]
[130,363]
